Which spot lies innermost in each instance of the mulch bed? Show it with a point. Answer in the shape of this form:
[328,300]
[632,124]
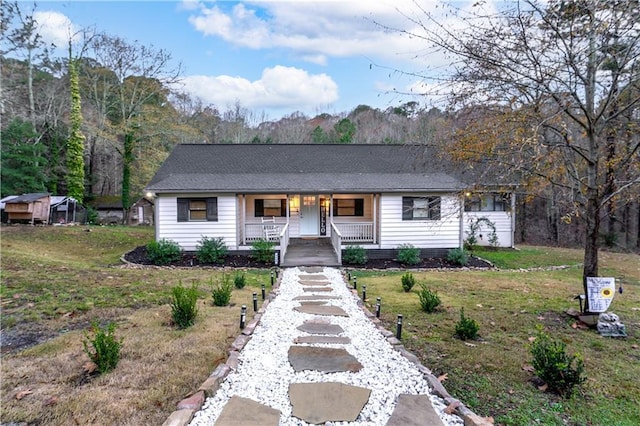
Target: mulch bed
[139,256]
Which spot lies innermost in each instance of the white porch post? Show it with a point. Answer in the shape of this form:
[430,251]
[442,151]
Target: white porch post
[374,213]
[461,242]
[513,219]
[242,215]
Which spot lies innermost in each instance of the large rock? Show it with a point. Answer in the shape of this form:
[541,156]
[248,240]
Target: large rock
[317,327]
[322,310]
[246,412]
[329,360]
[332,340]
[316,297]
[414,410]
[327,402]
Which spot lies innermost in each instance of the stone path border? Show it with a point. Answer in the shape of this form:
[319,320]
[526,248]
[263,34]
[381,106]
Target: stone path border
[186,408]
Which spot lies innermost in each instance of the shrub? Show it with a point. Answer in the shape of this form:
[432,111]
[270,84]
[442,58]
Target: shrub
[183,306]
[553,366]
[239,280]
[211,250]
[221,291]
[263,251]
[163,252]
[354,255]
[466,328]
[458,256]
[429,299]
[103,348]
[408,281]
[408,254]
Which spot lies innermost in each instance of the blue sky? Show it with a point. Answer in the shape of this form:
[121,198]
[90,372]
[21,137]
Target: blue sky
[275,57]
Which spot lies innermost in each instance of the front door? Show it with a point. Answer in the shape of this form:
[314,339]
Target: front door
[309,215]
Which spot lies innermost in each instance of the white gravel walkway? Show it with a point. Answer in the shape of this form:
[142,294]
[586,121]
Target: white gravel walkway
[264,373]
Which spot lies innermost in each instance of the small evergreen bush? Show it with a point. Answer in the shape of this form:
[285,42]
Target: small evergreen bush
[429,299]
[408,281]
[354,255]
[239,280]
[263,251]
[466,328]
[458,256]
[184,305]
[221,291]
[408,254]
[163,252]
[561,372]
[102,347]
[211,250]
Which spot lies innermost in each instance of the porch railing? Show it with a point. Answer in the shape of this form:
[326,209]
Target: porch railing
[255,231]
[336,242]
[355,232]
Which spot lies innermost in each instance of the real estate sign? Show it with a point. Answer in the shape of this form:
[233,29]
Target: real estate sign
[600,293]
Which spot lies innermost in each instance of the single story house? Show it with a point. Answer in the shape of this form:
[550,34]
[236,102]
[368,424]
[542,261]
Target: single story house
[375,196]
[32,208]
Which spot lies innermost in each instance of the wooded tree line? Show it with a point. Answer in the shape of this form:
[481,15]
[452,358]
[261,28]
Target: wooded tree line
[546,98]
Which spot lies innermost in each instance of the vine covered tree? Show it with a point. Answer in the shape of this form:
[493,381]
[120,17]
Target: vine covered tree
[75,143]
[549,91]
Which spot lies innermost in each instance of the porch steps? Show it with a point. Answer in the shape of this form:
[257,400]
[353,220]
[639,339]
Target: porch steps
[310,252]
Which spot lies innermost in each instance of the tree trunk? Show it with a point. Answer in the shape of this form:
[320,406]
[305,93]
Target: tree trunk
[591,243]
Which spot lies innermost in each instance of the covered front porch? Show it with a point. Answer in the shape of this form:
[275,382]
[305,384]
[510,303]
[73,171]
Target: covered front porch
[339,219]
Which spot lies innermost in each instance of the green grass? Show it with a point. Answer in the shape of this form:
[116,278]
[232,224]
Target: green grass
[529,257]
[488,375]
[50,272]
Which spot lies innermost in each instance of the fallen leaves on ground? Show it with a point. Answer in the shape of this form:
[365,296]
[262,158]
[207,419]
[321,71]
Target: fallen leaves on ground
[23,393]
[451,408]
[442,377]
[528,368]
[543,388]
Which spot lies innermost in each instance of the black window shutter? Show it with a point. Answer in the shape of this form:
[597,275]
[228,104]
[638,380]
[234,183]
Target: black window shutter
[259,207]
[212,209]
[407,208]
[359,207]
[335,207]
[183,209]
[283,207]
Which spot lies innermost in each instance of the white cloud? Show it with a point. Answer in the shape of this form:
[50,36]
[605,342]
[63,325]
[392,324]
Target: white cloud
[55,27]
[278,87]
[315,31]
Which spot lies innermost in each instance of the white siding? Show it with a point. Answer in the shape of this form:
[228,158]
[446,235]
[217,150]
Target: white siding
[502,222]
[443,233]
[189,234]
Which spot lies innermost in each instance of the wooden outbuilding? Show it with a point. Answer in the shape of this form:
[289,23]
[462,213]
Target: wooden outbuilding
[32,208]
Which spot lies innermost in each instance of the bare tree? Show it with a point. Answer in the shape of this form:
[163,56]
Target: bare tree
[553,81]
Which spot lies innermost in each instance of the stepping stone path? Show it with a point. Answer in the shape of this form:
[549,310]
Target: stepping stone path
[305,365]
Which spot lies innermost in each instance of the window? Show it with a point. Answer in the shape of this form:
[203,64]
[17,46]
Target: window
[348,207]
[197,209]
[420,208]
[270,207]
[490,202]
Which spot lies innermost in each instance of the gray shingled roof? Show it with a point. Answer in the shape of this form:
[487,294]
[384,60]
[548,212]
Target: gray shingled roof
[28,198]
[300,168]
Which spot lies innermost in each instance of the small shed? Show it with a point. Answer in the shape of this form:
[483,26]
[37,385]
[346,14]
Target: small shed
[66,210]
[5,215]
[109,209]
[32,208]
[141,212]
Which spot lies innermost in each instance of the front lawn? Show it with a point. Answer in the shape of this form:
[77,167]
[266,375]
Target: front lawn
[491,375]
